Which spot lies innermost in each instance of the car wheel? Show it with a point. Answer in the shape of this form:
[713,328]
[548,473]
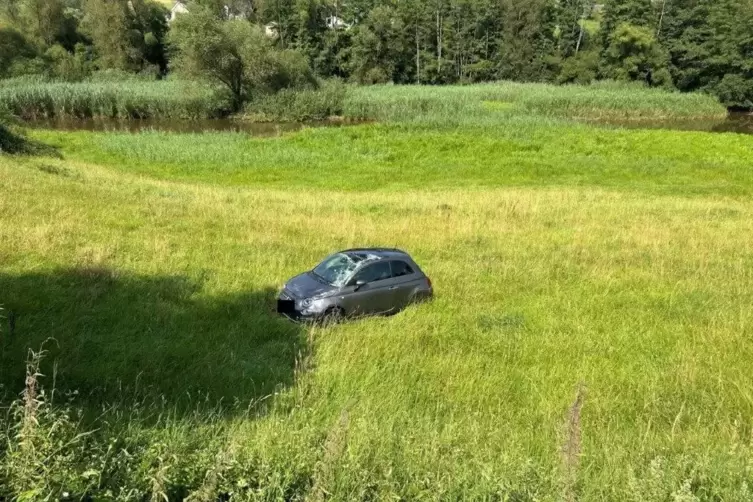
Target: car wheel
[420,297]
[333,315]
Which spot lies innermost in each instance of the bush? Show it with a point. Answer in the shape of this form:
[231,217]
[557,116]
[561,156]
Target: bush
[375,76]
[16,53]
[634,53]
[66,66]
[579,69]
[291,71]
[299,105]
[735,91]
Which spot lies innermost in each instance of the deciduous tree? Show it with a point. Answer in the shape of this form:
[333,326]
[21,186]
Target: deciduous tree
[634,54]
[234,54]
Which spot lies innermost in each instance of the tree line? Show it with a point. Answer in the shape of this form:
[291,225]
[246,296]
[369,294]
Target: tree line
[690,45]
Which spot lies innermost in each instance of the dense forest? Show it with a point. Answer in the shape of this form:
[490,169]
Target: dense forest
[689,45]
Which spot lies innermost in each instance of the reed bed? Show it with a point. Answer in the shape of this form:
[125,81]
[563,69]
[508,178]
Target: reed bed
[486,103]
[493,103]
[132,99]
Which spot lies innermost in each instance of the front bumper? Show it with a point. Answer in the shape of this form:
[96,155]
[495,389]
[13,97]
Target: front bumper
[287,306]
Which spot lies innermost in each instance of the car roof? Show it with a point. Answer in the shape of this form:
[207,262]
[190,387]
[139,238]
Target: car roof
[376,253]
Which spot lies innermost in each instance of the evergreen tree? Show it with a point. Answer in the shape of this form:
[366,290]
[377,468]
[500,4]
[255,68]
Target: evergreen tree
[710,45]
[570,21]
[528,42]
[636,12]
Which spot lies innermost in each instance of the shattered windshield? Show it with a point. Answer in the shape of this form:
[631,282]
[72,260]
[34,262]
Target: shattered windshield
[336,269]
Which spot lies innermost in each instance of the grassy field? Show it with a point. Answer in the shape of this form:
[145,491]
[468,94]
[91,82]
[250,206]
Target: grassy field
[590,338]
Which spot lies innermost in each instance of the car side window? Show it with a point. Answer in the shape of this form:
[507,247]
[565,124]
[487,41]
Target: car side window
[400,268]
[376,272]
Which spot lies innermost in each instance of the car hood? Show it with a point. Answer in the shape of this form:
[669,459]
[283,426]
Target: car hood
[306,286]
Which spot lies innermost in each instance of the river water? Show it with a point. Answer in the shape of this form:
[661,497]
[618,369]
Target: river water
[735,123]
[263,129]
[741,123]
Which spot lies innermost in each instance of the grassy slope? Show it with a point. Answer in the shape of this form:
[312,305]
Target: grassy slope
[376,157]
[561,254]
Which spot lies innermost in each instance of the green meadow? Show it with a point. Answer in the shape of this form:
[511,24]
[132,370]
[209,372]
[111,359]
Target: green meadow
[590,338]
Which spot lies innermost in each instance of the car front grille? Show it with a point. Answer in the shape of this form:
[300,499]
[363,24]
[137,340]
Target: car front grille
[285,303]
[285,306]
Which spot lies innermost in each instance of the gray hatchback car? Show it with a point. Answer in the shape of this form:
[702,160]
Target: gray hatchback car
[355,282]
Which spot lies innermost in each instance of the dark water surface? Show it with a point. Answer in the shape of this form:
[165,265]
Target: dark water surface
[182,126]
[741,123]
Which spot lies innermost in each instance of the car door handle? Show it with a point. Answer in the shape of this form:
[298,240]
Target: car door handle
[393,288]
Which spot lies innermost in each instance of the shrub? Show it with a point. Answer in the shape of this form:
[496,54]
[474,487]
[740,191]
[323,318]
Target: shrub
[634,53]
[66,66]
[292,72]
[299,105]
[579,69]
[15,52]
[735,91]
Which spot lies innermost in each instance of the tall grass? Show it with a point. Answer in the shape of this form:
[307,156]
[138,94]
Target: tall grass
[565,257]
[134,99]
[560,253]
[520,151]
[486,103]
[106,97]
[492,103]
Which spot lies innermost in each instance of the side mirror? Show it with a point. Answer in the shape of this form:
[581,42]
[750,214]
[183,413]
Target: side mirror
[359,284]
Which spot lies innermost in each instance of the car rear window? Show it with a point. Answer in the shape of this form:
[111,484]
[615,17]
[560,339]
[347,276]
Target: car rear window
[400,268]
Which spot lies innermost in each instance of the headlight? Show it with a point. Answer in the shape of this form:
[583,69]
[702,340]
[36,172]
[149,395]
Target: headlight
[311,305]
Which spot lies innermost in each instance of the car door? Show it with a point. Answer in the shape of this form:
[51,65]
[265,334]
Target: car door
[373,297]
[404,282]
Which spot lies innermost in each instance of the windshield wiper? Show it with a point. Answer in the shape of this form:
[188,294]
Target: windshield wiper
[320,278]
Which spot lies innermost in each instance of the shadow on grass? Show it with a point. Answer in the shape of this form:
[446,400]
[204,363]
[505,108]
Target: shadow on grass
[118,338]
[13,143]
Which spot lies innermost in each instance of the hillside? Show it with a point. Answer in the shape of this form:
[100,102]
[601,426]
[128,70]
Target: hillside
[590,337]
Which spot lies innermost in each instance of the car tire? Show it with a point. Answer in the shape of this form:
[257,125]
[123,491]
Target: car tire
[333,315]
[419,297]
